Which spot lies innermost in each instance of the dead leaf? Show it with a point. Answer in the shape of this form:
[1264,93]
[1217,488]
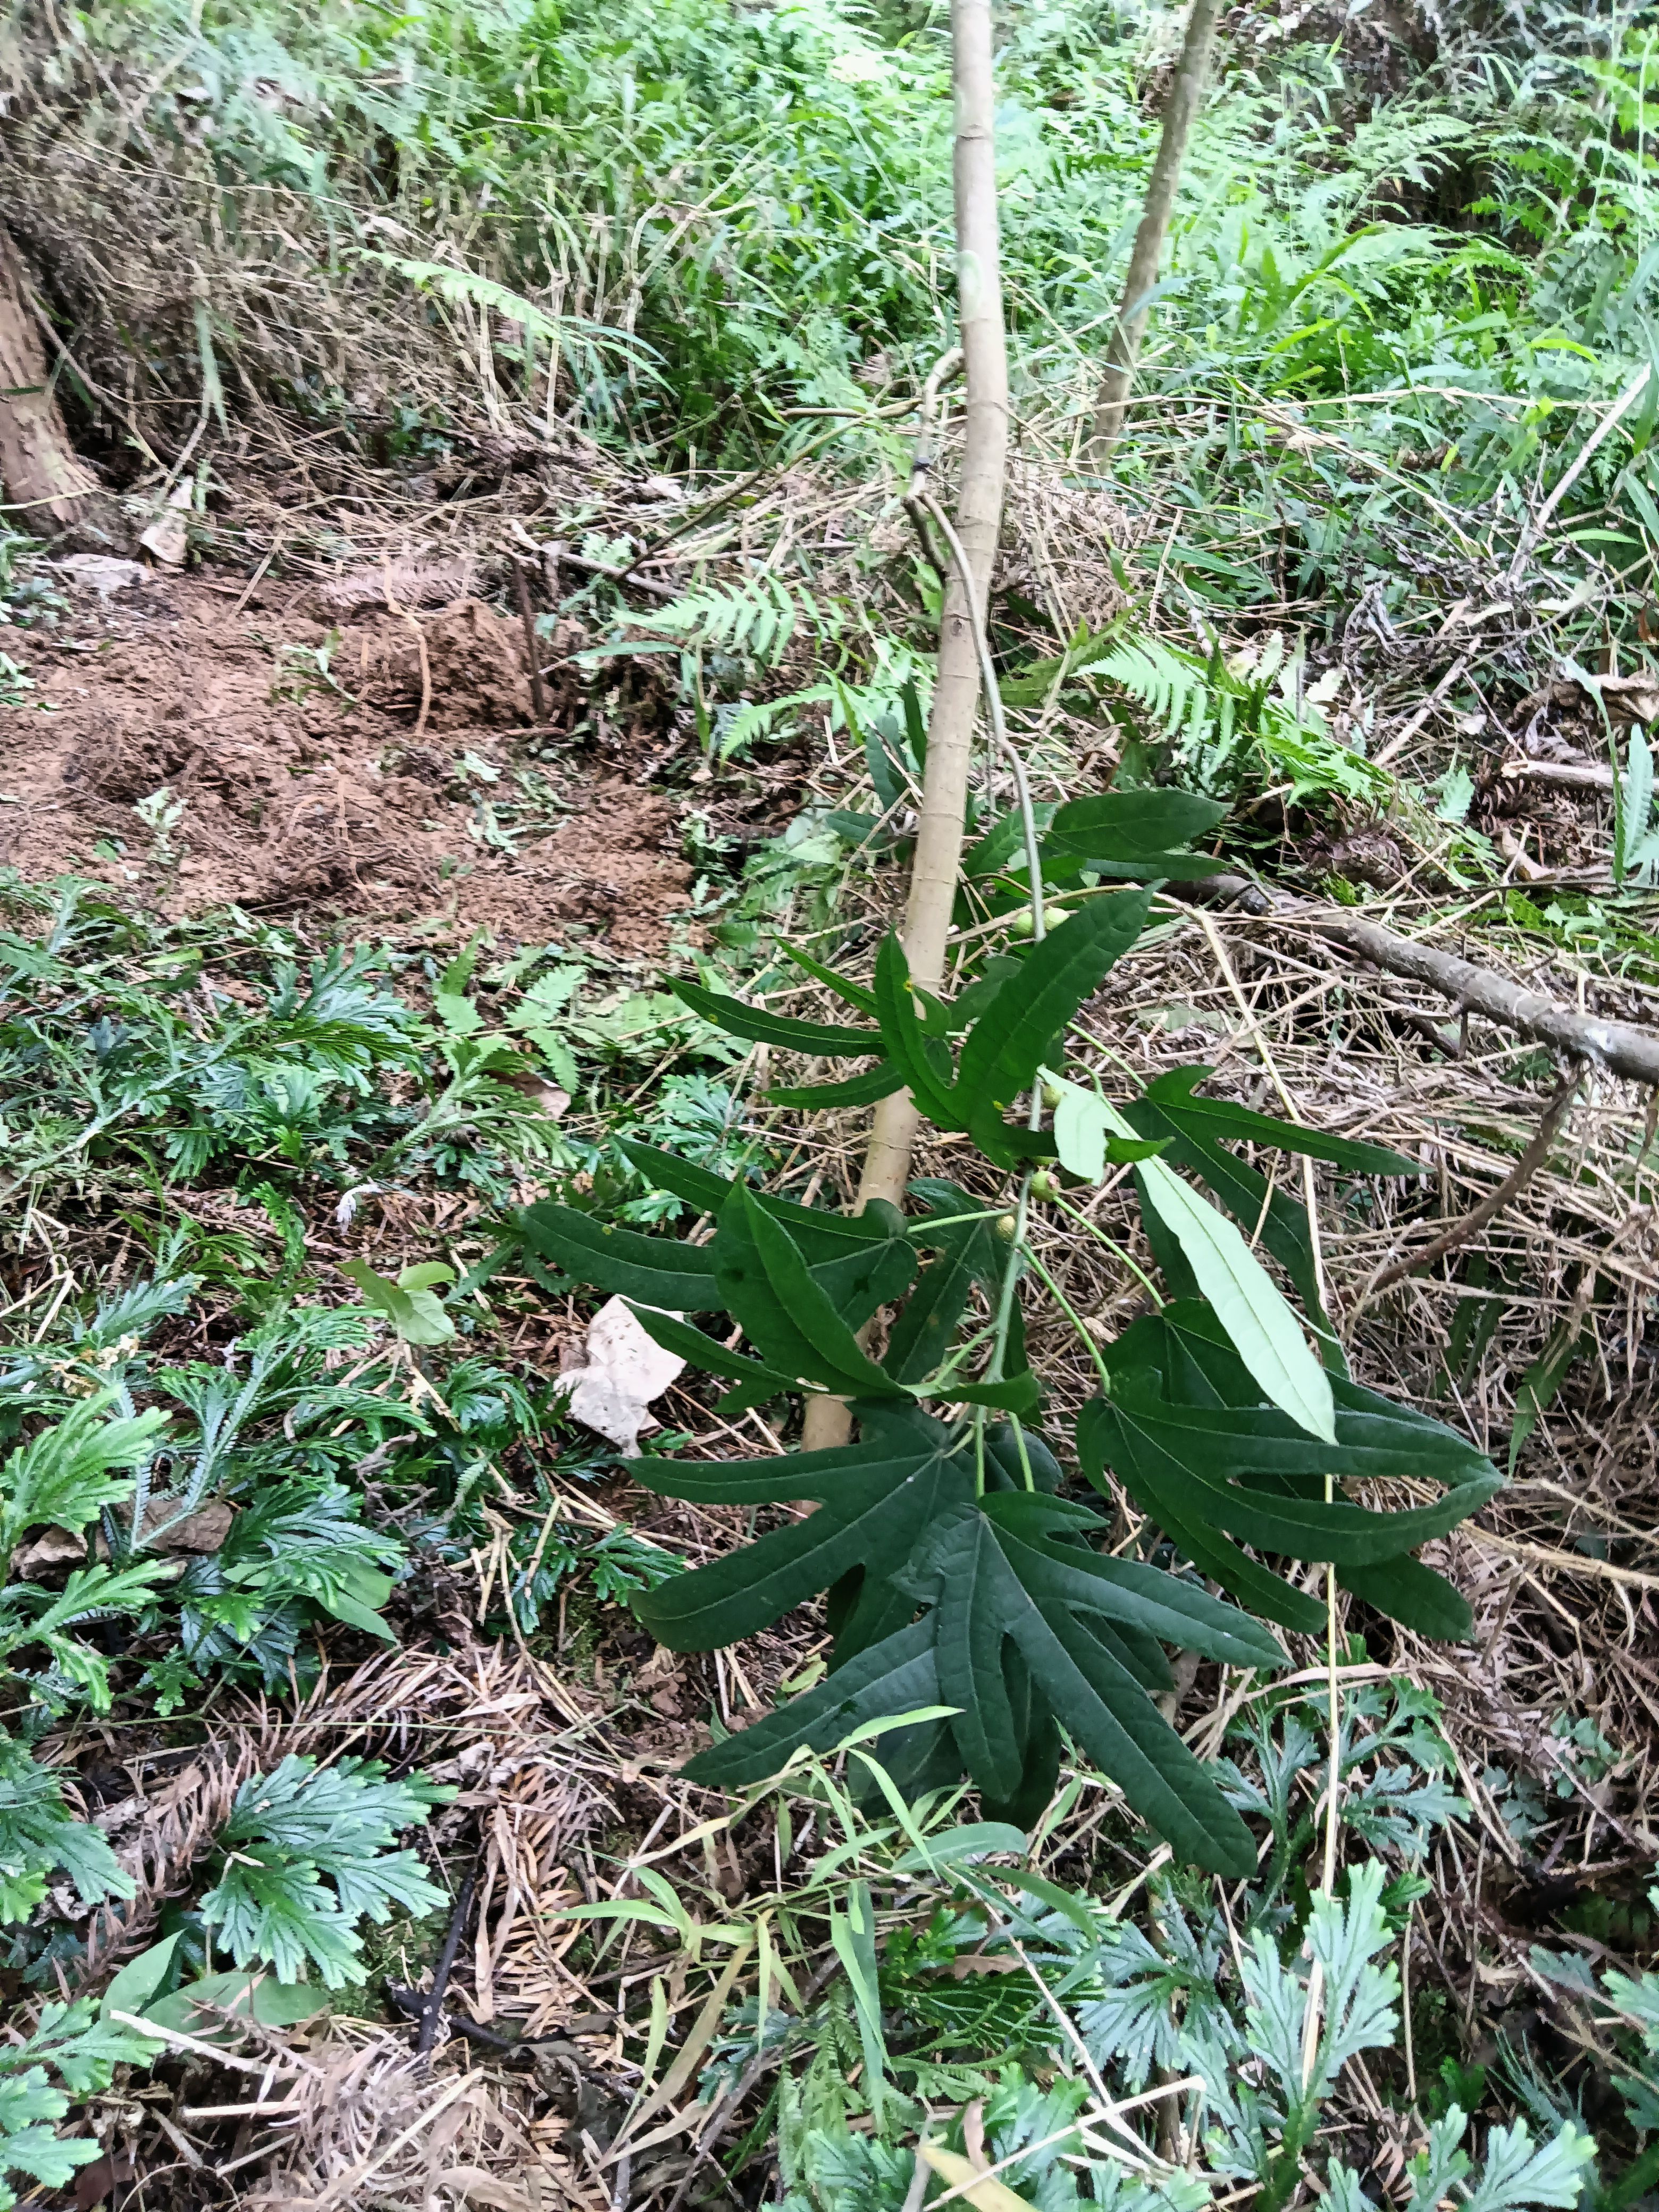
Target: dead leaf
[93,2183]
[474,2185]
[204,1530]
[983,2190]
[103,573]
[625,1370]
[173,1793]
[168,536]
[548,1095]
[52,1548]
[1633,698]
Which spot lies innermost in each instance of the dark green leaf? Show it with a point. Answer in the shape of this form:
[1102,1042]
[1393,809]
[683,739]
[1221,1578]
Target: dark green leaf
[916,726]
[712,1357]
[1040,1742]
[897,1675]
[872,1514]
[761,1027]
[857,1090]
[988,1585]
[668,1171]
[1006,1046]
[889,781]
[965,1009]
[1008,1456]
[1218,1118]
[1141,868]
[949,1203]
[658,1271]
[970,1587]
[1124,825]
[1213,1554]
[821,1235]
[1003,845]
[1193,1459]
[906,1042]
[842,986]
[859,1280]
[1186,1346]
[925,1324]
[788,1316]
[1124,1591]
[1413,1595]
[1015,1393]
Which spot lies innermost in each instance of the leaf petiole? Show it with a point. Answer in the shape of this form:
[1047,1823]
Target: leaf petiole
[952,1220]
[1112,1247]
[1076,1320]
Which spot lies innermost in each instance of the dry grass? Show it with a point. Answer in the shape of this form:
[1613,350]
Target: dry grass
[566,1779]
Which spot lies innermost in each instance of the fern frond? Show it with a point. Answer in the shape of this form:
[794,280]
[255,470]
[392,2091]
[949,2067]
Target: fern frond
[757,617]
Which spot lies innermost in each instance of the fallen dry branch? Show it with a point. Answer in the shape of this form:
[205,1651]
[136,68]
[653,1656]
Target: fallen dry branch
[1460,1232]
[1618,1047]
[1576,775]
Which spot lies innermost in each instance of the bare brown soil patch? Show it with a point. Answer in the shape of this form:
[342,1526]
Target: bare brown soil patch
[190,751]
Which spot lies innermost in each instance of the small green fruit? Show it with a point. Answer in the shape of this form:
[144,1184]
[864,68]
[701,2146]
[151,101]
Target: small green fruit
[1005,1227]
[1044,1185]
[1023,923]
[1051,1095]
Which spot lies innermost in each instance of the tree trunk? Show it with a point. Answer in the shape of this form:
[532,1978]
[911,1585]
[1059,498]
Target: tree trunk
[47,487]
[978,522]
[1186,96]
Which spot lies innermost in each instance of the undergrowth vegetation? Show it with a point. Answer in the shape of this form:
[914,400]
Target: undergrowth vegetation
[678,224]
[303,1223]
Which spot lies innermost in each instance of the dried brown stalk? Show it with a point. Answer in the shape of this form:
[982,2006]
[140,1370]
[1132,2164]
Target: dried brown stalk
[1462,1232]
[1618,1047]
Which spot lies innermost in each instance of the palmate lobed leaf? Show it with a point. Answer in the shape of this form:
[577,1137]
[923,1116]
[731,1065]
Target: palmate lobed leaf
[1187,1434]
[998,1574]
[888,1680]
[659,1271]
[1008,1044]
[1175,1098]
[1196,1460]
[1264,1331]
[821,1236]
[877,1082]
[863,1271]
[872,1510]
[787,1314]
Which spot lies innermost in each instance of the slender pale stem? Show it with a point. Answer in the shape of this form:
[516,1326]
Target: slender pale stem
[1076,1320]
[942,815]
[1114,1248]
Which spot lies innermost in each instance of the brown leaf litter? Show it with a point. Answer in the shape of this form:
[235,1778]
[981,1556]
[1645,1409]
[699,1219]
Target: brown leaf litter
[346,748]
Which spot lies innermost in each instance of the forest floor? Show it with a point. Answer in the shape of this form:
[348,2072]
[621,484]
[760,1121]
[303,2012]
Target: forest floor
[286,721]
[351,754]
[333,740]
